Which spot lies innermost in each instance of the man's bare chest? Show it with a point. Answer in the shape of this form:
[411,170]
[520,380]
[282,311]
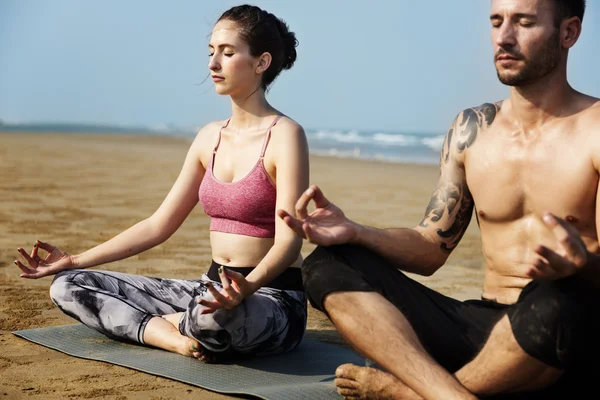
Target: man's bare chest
[509,177]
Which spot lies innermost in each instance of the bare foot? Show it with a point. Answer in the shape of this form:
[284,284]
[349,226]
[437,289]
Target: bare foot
[354,382]
[173,319]
[163,332]
[191,348]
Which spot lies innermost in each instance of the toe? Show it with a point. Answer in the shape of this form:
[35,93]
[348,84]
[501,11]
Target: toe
[345,371]
[345,383]
[348,393]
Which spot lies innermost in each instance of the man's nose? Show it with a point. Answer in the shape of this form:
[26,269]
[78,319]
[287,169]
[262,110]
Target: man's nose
[505,35]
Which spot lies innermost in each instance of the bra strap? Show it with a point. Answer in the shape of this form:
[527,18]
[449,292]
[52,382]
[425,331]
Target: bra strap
[219,137]
[268,136]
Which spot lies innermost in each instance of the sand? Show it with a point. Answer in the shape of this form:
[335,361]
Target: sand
[76,190]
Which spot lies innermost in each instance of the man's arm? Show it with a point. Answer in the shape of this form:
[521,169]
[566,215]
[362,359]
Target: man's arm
[426,247]
[591,270]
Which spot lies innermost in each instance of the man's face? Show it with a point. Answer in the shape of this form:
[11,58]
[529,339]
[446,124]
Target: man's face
[525,39]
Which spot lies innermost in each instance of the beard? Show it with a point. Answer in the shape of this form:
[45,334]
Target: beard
[537,66]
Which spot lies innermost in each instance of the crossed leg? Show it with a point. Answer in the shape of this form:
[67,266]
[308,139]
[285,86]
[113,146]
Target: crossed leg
[430,345]
[388,339]
[129,307]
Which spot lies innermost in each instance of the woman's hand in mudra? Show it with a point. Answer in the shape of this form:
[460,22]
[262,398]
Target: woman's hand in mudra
[38,267]
[235,287]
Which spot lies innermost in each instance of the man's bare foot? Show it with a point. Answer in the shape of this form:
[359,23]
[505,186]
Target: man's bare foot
[354,382]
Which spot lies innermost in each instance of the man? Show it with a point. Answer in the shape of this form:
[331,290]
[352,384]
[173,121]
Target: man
[528,166]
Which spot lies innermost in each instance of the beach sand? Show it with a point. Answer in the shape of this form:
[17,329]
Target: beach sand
[76,191]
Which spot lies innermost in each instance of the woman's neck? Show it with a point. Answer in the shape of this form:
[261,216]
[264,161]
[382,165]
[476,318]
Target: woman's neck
[250,111]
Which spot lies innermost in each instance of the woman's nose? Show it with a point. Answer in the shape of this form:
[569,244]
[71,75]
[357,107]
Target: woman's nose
[213,63]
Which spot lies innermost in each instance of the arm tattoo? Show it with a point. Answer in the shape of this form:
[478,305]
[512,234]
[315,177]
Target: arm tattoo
[452,196]
[461,222]
[445,154]
[454,200]
[472,121]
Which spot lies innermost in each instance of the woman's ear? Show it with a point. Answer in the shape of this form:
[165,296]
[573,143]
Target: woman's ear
[264,62]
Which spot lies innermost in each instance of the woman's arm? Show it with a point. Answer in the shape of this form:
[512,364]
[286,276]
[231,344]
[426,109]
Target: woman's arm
[179,202]
[290,154]
[142,236]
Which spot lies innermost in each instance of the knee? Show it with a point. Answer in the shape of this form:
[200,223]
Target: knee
[318,255]
[549,322]
[60,286]
[335,269]
[321,265]
[205,328]
[193,322]
[549,302]
[317,271]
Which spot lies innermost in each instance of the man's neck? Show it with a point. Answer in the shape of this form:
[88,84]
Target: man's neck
[535,104]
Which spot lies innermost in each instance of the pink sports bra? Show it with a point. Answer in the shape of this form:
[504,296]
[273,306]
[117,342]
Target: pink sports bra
[244,207]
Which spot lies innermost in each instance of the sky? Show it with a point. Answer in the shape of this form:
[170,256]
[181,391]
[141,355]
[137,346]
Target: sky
[392,65]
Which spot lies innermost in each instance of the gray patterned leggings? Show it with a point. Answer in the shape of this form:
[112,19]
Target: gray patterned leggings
[120,305]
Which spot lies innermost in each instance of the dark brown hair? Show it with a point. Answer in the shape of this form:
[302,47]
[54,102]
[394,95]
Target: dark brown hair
[568,8]
[264,32]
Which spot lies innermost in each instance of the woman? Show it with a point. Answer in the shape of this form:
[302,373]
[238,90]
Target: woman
[251,301]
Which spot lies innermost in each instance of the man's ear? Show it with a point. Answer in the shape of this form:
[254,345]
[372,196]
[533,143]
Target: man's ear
[570,30]
[264,62]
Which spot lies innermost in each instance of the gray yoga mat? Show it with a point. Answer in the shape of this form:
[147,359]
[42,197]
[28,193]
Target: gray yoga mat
[305,373]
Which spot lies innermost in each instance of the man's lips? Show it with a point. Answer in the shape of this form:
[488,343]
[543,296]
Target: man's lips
[506,57]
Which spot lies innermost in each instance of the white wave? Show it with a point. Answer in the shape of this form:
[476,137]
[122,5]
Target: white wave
[434,143]
[339,136]
[396,139]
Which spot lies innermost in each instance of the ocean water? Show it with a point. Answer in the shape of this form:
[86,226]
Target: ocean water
[420,148]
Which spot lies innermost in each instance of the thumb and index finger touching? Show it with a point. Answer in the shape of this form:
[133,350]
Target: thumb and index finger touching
[313,193]
[296,222]
[44,246]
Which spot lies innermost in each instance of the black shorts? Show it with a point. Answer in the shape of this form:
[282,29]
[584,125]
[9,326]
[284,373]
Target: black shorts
[557,322]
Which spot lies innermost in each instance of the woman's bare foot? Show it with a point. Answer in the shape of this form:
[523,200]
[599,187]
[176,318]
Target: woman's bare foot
[189,347]
[173,319]
[354,382]
[196,350]
[163,333]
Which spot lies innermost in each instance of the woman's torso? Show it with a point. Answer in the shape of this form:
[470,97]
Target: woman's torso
[240,169]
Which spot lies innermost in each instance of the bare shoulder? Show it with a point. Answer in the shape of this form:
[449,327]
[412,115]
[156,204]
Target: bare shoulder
[466,127]
[206,138]
[210,130]
[592,113]
[476,118]
[288,125]
[287,132]
[588,121]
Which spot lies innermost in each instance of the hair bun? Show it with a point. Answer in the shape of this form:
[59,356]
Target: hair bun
[289,48]
[264,32]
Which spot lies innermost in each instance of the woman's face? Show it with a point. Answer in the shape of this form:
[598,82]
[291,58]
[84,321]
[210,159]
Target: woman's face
[233,70]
